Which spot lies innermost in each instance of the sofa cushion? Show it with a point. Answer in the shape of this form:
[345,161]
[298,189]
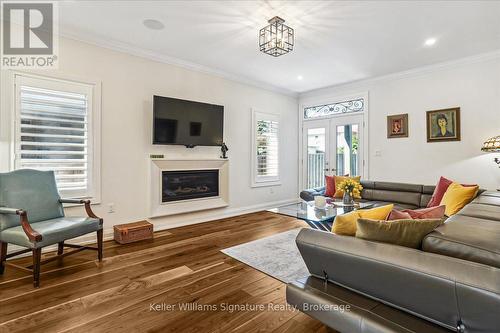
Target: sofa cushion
[467,238]
[487,198]
[409,198]
[489,212]
[398,206]
[53,231]
[398,187]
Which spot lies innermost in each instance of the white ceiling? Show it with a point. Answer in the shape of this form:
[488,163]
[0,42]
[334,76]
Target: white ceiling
[335,41]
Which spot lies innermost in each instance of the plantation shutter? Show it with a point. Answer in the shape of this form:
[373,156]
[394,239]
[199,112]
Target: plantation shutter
[266,148]
[53,131]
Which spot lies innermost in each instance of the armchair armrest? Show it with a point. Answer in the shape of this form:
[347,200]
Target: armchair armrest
[33,236]
[86,202]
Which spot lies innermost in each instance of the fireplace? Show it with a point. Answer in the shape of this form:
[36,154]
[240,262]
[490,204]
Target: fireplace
[189,184]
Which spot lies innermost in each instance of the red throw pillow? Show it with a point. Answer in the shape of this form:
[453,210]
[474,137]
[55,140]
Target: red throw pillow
[330,186]
[439,191]
[398,215]
[417,214]
[427,213]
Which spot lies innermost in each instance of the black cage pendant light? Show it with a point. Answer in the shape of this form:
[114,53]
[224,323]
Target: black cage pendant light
[276,38]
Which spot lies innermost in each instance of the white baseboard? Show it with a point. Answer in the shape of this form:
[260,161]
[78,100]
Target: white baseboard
[217,215]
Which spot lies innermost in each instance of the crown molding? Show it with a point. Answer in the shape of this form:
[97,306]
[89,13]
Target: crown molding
[478,58]
[162,58]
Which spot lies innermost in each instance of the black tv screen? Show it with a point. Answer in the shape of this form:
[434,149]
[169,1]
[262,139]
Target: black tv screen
[181,122]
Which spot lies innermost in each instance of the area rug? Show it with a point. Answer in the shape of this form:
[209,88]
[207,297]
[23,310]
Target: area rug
[276,255]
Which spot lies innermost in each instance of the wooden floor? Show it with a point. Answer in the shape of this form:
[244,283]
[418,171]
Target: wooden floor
[182,265]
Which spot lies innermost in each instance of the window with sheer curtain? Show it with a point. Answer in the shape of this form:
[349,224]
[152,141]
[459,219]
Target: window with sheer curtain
[54,130]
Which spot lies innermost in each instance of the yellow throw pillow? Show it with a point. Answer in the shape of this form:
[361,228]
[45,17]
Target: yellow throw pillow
[457,196]
[378,213]
[340,179]
[345,224]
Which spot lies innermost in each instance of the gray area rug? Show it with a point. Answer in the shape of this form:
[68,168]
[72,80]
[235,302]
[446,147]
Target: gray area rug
[276,255]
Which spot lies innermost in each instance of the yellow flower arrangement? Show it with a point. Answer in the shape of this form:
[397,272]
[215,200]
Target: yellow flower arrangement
[352,187]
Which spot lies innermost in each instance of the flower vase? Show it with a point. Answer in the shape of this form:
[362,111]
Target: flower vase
[348,199]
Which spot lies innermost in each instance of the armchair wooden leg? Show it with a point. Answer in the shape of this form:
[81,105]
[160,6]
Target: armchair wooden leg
[99,244]
[60,248]
[3,256]
[37,256]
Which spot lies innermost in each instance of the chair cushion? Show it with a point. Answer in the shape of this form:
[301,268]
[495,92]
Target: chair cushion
[53,231]
[31,190]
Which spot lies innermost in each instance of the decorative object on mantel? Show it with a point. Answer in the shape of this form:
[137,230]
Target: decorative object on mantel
[133,232]
[443,125]
[276,39]
[397,126]
[223,149]
[156,156]
[492,145]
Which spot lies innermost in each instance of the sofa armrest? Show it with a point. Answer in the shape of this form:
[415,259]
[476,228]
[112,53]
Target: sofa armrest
[441,289]
[309,194]
[85,202]
[32,235]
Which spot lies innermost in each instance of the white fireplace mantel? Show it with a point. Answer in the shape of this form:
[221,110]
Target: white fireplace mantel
[159,208]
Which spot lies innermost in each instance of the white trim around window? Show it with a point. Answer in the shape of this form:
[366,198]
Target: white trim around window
[266,155]
[57,126]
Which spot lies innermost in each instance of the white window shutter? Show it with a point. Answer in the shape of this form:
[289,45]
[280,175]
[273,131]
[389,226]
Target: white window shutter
[53,128]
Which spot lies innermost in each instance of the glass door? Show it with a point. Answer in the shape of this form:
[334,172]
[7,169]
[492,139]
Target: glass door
[346,138]
[316,157]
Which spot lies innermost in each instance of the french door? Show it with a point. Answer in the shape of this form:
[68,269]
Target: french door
[332,146]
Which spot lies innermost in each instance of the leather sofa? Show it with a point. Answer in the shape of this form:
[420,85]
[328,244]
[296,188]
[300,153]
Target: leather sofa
[452,283]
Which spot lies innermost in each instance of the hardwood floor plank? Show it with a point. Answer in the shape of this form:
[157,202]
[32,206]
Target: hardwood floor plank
[179,266]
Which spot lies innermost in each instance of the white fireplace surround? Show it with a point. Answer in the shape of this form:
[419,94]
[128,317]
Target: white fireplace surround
[159,208]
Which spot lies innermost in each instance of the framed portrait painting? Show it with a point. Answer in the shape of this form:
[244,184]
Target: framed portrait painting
[397,126]
[443,125]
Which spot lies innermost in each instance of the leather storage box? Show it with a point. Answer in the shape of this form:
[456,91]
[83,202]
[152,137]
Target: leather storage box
[133,232]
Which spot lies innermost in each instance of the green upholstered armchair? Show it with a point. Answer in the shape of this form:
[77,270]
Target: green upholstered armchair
[32,216]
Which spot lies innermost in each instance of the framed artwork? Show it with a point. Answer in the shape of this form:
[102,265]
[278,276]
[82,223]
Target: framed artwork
[397,126]
[443,125]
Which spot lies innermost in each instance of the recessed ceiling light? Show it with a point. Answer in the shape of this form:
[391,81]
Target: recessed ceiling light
[430,41]
[300,77]
[153,24]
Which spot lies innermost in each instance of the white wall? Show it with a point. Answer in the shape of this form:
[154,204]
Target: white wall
[128,84]
[472,84]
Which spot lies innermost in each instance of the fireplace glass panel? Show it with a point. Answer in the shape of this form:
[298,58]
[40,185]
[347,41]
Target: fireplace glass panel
[190,184]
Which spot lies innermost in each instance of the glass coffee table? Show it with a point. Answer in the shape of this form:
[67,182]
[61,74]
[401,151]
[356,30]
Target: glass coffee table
[317,218]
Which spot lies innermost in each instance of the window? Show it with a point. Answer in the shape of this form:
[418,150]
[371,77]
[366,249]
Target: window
[56,129]
[349,106]
[265,153]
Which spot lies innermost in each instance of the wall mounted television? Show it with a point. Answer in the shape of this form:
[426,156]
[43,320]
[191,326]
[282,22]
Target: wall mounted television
[187,123]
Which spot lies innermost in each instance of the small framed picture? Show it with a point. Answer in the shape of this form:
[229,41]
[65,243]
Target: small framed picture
[443,125]
[397,126]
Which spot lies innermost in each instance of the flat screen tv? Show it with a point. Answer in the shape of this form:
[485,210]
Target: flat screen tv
[187,123]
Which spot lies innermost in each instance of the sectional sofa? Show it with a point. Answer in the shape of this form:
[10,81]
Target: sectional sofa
[452,283]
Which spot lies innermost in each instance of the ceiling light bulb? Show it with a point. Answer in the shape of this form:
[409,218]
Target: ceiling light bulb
[430,41]
[299,77]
